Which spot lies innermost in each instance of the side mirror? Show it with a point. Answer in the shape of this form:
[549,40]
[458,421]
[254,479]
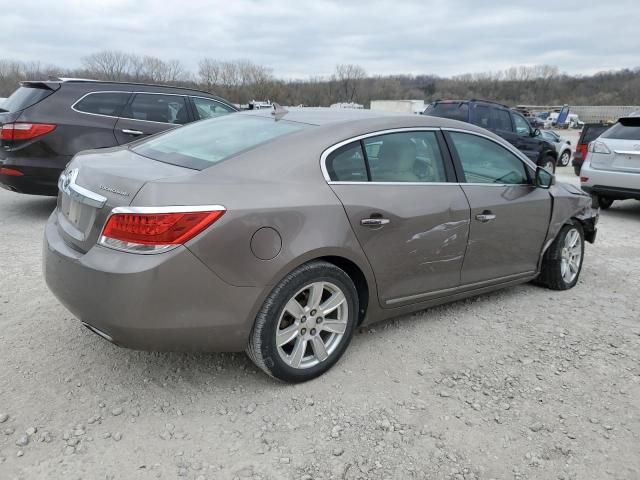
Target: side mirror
[544,178]
[536,132]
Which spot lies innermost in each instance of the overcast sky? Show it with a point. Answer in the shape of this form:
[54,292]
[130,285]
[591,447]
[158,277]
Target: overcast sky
[298,38]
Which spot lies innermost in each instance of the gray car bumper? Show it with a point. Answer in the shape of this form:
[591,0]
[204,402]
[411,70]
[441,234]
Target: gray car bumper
[169,301]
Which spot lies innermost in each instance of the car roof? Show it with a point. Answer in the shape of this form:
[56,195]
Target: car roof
[359,118]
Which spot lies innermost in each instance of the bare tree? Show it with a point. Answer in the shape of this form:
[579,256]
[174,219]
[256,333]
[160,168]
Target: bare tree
[349,78]
[108,64]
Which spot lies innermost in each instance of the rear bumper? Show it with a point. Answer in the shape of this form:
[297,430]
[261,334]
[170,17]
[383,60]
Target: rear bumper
[610,184]
[40,175]
[164,302]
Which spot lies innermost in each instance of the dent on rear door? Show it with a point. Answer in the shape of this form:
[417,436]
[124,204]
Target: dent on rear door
[421,249]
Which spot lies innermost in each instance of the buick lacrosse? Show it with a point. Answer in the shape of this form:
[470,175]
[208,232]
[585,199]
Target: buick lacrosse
[278,233]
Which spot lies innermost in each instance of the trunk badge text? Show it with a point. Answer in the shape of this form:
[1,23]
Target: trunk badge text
[113,190]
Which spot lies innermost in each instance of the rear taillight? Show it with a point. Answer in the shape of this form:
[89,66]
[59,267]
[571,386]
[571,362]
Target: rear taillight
[155,230]
[11,172]
[24,131]
[584,179]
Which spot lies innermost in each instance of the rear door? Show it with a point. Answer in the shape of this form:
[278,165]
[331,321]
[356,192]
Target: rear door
[509,216]
[150,113]
[410,217]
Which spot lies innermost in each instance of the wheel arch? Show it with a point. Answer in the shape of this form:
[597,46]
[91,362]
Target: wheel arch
[359,279]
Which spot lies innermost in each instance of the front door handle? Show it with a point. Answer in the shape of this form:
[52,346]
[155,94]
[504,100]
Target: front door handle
[485,216]
[132,132]
[374,222]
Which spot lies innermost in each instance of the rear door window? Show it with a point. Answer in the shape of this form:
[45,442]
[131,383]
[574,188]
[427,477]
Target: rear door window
[103,103]
[480,117]
[24,97]
[484,161]
[501,120]
[209,108]
[157,108]
[347,164]
[405,157]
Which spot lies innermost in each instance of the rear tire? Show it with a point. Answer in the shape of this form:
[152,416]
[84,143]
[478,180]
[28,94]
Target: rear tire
[562,262]
[305,324]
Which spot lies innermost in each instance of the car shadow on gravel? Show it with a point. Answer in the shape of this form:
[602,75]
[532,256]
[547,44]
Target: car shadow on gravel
[173,371]
[627,209]
[29,207]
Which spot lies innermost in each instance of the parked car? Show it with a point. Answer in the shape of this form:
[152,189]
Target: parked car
[562,145]
[44,123]
[590,132]
[502,121]
[280,232]
[611,170]
[572,121]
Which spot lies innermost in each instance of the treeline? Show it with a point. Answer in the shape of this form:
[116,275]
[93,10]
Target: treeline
[241,81]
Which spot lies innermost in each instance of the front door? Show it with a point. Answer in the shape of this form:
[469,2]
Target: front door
[509,216]
[410,217]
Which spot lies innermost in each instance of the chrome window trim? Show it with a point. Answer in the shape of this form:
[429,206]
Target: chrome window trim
[73,107]
[510,148]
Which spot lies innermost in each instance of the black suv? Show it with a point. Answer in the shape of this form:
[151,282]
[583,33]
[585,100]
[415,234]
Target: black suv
[502,121]
[44,123]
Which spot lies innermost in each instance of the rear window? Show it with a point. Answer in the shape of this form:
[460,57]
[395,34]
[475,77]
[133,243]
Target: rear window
[453,110]
[590,133]
[24,97]
[103,103]
[628,129]
[205,143]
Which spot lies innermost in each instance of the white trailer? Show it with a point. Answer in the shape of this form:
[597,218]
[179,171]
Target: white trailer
[399,106]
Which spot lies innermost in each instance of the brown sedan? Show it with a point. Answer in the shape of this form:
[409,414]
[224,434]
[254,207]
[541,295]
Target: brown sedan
[280,232]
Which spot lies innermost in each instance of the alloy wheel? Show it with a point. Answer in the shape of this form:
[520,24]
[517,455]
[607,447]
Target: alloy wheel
[312,325]
[571,256]
[564,159]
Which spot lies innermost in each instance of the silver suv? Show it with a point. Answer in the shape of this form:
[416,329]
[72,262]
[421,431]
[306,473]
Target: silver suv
[611,170]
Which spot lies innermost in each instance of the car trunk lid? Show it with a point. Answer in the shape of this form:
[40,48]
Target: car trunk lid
[96,182]
[624,156]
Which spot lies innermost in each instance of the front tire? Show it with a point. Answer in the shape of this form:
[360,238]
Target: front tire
[562,262]
[603,202]
[549,164]
[565,158]
[305,324]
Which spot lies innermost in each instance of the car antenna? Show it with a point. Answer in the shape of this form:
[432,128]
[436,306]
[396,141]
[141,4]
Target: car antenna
[278,111]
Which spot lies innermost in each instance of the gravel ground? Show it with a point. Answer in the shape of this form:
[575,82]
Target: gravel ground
[525,383]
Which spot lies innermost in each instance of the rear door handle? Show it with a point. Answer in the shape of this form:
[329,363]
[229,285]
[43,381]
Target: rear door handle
[374,222]
[485,216]
[132,132]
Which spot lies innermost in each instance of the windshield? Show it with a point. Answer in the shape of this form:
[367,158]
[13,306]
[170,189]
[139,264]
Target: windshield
[452,110]
[23,98]
[203,144]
